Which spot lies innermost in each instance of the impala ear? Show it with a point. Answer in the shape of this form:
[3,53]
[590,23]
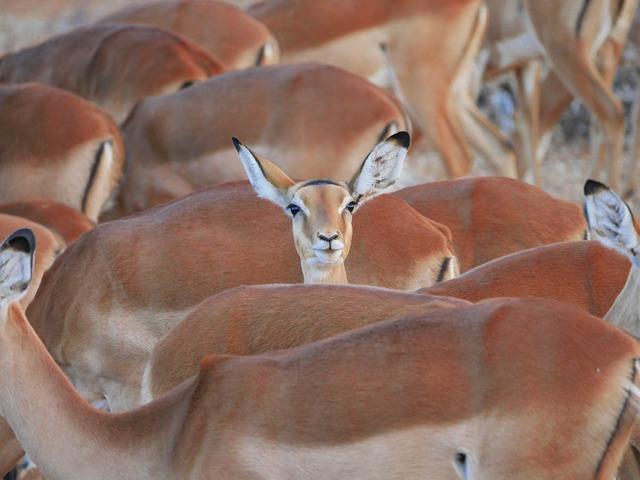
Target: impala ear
[382,167]
[610,219]
[266,178]
[16,265]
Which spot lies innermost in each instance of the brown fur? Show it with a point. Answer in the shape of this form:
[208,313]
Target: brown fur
[49,142]
[314,121]
[207,242]
[102,63]
[492,216]
[62,220]
[253,319]
[498,381]
[248,320]
[230,35]
[425,44]
[585,274]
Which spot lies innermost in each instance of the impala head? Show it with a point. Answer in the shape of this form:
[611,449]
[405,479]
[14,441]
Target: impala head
[610,220]
[321,210]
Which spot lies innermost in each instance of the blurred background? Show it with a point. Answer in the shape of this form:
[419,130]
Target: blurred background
[27,22]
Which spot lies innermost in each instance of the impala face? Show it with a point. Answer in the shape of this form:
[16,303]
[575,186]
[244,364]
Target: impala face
[321,210]
[321,214]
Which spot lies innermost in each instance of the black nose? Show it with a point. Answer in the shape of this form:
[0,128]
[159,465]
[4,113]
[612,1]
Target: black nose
[328,239]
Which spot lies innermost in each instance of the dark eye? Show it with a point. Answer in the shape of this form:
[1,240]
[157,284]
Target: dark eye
[351,206]
[293,209]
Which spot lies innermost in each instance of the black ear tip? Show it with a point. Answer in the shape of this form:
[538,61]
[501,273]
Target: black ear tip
[236,143]
[401,138]
[592,187]
[22,240]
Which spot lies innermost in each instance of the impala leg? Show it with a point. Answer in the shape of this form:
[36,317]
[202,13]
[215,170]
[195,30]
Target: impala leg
[581,75]
[489,141]
[485,138]
[435,114]
[528,80]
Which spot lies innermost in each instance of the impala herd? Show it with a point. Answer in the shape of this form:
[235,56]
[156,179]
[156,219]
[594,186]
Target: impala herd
[332,317]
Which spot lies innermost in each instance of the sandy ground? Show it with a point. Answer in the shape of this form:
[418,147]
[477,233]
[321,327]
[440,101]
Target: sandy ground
[27,22]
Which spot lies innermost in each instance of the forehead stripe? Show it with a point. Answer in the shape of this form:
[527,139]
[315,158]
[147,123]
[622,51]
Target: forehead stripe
[321,182]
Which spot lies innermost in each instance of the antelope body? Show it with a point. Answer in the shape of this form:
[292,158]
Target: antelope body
[57,146]
[418,49]
[63,221]
[230,35]
[253,319]
[484,224]
[101,63]
[269,415]
[316,121]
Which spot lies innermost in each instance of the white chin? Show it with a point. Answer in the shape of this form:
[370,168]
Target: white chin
[328,257]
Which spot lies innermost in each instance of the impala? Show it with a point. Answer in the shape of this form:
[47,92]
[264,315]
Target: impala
[230,35]
[422,50]
[460,392]
[57,146]
[253,319]
[583,40]
[612,223]
[318,121]
[321,209]
[50,247]
[63,221]
[101,63]
[484,224]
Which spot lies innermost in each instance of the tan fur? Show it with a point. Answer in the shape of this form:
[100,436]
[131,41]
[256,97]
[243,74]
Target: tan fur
[95,63]
[248,320]
[60,219]
[491,216]
[582,64]
[48,147]
[585,274]
[315,121]
[416,48]
[230,35]
[202,244]
[498,381]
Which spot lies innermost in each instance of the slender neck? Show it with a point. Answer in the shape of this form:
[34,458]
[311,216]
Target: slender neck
[625,311]
[332,274]
[61,432]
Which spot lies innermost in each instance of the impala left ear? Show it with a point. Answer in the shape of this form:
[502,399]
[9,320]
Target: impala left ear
[16,265]
[610,219]
[382,167]
[266,178]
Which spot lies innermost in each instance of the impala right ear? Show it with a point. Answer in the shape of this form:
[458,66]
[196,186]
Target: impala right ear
[266,178]
[610,219]
[16,265]
[382,167]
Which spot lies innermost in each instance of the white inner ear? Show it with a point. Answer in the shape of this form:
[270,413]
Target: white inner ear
[380,170]
[610,221]
[263,187]
[15,275]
